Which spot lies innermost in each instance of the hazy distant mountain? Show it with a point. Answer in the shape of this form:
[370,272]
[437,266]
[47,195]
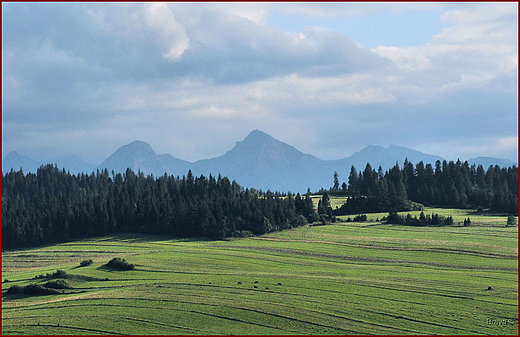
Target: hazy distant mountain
[387,158]
[488,161]
[261,161]
[137,155]
[15,161]
[174,165]
[73,164]
[258,161]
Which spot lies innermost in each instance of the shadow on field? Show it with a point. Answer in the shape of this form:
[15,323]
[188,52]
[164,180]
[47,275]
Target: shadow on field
[146,238]
[110,269]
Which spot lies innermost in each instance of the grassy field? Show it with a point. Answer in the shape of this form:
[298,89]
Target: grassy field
[345,278]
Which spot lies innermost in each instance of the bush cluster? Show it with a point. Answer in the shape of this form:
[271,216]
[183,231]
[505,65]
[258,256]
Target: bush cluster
[511,221]
[119,264]
[86,263]
[32,289]
[58,284]
[360,218]
[58,274]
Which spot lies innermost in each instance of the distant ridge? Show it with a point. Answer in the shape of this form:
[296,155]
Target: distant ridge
[139,155]
[16,161]
[258,161]
[387,158]
[486,162]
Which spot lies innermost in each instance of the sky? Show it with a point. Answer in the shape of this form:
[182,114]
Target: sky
[192,79]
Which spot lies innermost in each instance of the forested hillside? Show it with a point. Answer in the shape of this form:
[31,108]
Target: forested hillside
[449,184]
[54,206]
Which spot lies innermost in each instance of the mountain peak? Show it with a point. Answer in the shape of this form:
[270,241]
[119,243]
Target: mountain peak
[16,161]
[137,155]
[138,148]
[139,144]
[257,135]
[12,154]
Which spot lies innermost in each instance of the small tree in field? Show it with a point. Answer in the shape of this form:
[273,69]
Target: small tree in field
[120,264]
[511,221]
[86,263]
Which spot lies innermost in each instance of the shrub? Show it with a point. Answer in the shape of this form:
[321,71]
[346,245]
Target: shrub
[360,218]
[448,221]
[15,289]
[414,206]
[120,264]
[58,274]
[58,284]
[86,263]
[393,218]
[511,221]
[31,289]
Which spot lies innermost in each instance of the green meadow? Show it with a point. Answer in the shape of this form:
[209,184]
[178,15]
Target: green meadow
[344,278]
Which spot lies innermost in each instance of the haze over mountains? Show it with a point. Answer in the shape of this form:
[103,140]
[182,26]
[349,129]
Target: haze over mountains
[258,161]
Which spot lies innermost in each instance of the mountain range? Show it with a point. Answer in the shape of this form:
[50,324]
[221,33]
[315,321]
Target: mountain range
[258,161]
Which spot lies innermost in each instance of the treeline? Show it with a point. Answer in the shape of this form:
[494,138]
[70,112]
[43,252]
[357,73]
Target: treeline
[448,184]
[55,206]
[423,220]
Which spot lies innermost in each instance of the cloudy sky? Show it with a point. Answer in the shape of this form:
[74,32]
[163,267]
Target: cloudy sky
[192,79]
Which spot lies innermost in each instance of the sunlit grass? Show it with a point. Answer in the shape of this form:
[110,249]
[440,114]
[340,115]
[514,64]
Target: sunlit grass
[345,278]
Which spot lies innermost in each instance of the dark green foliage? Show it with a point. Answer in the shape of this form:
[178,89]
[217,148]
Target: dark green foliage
[57,284]
[325,211]
[86,263]
[335,187]
[119,264]
[414,206]
[393,218]
[57,274]
[32,290]
[511,221]
[360,218]
[54,206]
[449,184]
[423,220]
[242,234]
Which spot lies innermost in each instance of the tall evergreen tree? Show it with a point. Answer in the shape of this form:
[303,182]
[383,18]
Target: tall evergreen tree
[353,181]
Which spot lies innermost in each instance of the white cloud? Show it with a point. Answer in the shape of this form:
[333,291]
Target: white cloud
[174,72]
[169,31]
[479,48]
[323,91]
[214,111]
[407,59]
[351,9]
